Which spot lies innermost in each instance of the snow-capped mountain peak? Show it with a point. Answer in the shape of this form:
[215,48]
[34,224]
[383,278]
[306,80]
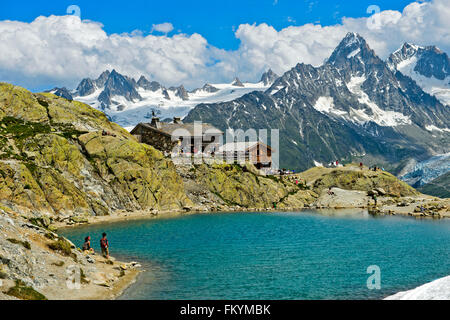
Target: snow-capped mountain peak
[269,77]
[148,85]
[405,52]
[428,66]
[354,53]
[237,83]
[354,105]
[128,102]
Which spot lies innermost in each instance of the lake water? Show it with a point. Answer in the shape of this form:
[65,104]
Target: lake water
[303,255]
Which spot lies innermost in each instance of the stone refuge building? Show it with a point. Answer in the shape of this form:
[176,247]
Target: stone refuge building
[255,152]
[185,137]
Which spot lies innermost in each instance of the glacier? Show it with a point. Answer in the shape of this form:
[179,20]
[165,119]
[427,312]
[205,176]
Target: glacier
[129,113]
[428,170]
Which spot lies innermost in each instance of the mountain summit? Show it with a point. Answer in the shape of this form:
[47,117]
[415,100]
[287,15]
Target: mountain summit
[269,77]
[354,107]
[428,66]
[118,85]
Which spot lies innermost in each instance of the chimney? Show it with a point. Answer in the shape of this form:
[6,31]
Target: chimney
[155,123]
[177,120]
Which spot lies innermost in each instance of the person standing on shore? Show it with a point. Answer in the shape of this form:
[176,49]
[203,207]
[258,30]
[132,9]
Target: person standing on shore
[104,244]
[375,199]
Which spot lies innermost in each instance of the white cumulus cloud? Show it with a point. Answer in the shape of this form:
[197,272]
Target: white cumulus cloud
[61,50]
[165,27]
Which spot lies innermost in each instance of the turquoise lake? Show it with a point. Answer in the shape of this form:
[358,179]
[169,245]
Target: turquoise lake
[303,255]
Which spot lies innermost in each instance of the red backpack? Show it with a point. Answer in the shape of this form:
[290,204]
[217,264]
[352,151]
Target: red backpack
[104,243]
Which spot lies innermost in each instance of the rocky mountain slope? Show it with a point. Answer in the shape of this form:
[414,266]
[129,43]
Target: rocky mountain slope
[439,187]
[128,102]
[225,186]
[63,158]
[353,178]
[354,107]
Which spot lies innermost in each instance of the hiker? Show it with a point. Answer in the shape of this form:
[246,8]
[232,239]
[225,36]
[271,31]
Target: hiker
[361,165]
[330,192]
[87,245]
[104,244]
[375,199]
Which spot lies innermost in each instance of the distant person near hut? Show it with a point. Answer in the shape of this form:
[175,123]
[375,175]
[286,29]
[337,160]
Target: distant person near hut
[330,192]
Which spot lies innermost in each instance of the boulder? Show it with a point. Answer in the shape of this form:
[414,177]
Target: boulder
[90,259]
[380,191]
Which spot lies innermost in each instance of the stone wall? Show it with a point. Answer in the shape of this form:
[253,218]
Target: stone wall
[158,140]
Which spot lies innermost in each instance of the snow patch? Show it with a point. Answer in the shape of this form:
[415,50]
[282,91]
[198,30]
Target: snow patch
[354,53]
[439,88]
[436,290]
[379,116]
[434,128]
[318,164]
[326,105]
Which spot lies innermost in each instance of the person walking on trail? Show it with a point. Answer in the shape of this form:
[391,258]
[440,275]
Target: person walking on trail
[330,192]
[104,244]
[87,245]
[375,199]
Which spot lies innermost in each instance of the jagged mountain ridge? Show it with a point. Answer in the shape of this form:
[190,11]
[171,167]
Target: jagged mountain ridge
[353,106]
[128,102]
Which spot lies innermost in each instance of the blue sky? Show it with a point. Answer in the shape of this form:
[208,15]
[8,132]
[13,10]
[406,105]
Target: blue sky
[214,20]
[208,41]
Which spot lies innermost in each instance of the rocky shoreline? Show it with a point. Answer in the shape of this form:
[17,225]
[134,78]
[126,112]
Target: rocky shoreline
[29,255]
[433,209]
[38,264]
